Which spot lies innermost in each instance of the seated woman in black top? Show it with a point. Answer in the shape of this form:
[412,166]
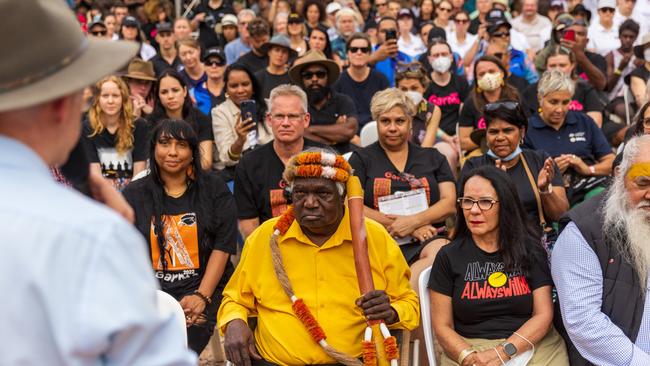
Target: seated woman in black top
[175,102]
[114,140]
[489,76]
[490,288]
[538,180]
[187,217]
[412,80]
[393,164]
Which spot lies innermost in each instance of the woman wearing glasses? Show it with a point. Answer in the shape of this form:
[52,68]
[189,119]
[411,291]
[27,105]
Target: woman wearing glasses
[489,76]
[460,39]
[537,178]
[233,135]
[443,16]
[393,164]
[491,286]
[575,142]
[210,93]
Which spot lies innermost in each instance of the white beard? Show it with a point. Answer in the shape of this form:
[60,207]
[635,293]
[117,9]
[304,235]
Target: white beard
[629,229]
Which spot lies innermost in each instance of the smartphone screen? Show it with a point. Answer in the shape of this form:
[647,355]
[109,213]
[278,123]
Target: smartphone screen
[248,110]
[391,34]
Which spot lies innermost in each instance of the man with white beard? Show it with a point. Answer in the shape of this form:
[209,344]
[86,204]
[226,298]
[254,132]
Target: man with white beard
[600,266]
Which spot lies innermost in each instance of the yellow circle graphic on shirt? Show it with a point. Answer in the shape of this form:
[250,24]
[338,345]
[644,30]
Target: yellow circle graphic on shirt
[497,279]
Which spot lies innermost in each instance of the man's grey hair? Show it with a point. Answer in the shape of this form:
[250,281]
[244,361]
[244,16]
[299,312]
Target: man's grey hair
[245,12]
[346,12]
[286,90]
[554,81]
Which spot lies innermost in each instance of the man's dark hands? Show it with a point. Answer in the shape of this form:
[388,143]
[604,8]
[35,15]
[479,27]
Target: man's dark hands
[376,306]
[239,343]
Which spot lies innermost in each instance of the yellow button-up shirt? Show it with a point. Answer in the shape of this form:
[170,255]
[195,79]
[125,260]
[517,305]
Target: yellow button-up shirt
[325,278]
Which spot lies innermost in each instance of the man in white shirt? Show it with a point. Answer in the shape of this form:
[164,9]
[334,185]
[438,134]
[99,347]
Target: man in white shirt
[536,27]
[79,286]
[603,35]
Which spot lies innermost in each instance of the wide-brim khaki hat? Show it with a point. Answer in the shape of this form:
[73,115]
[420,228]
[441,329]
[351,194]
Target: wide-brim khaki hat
[314,57]
[52,59]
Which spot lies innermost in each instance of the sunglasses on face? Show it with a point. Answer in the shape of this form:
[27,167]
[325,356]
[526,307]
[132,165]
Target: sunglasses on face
[98,33]
[357,49]
[446,10]
[214,63]
[409,68]
[501,34]
[461,21]
[509,105]
[310,74]
[607,10]
[294,21]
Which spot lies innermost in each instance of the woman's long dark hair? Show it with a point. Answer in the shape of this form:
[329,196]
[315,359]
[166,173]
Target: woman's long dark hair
[507,91]
[321,9]
[257,96]
[159,113]
[638,119]
[328,46]
[201,192]
[519,239]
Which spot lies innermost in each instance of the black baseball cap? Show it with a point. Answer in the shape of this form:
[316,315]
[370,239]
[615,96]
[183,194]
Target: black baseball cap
[164,27]
[214,52]
[130,21]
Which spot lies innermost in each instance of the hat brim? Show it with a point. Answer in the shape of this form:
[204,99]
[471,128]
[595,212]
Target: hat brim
[139,77]
[100,58]
[267,46]
[477,136]
[333,71]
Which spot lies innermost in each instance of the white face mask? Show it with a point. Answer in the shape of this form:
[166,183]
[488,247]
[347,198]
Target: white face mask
[441,64]
[490,81]
[416,97]
[646,54]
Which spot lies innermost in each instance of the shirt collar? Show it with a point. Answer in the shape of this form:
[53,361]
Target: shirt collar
[537,122]
[342,234]
[14,154]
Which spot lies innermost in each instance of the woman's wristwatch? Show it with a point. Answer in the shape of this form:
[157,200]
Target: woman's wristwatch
[509,349]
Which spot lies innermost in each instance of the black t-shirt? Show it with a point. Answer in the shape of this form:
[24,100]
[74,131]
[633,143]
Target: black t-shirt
[487,301]
[535,160]
[469,116]
[449,99]
[425,168]
[474,24]
[259,187]
[420,121]
[585,99]
[254,62]
[201,123]
[337,105]
[517,82]
[207,35]
[102,148]
[598,61]
[362,93]
[640,72]
[160,64]
[189,243]
[269,81]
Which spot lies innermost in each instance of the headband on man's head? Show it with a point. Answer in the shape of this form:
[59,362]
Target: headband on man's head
[318,165]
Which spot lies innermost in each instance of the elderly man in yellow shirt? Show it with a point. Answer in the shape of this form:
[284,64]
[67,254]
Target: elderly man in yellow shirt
[313,243]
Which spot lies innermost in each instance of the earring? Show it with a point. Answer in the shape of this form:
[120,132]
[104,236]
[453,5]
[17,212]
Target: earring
[479,90]
[539,110]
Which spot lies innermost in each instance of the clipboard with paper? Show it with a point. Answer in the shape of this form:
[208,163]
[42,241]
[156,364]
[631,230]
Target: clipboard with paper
[403,204]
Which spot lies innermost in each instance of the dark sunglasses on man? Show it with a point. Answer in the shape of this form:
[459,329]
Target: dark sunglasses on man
[99,33]
[357,49]
[310,74]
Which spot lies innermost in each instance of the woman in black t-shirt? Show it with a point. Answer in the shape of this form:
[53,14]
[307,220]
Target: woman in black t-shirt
[175,102]
[489,75]
[187,217]
[505,128]
[113,139]
[393,164]
[491,286]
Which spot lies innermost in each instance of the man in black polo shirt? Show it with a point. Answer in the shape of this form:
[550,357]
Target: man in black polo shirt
[259,33]
[333,115]
[167,56]
[259,187]
[208,15]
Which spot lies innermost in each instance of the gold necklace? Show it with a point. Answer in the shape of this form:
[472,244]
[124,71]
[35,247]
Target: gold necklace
[176,194]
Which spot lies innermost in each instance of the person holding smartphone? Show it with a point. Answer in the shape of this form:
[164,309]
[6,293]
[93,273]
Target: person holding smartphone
[386,55]
[237,123]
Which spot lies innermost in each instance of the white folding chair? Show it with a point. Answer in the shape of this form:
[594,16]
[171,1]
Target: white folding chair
[425,315]
[368,133]
[140,175]
[168,305]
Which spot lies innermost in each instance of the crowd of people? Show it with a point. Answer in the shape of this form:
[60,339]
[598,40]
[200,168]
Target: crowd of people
[499,144]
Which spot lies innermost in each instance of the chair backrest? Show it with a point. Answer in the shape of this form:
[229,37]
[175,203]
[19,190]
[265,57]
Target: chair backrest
[168,305]
[425,315]
[140,175]
[368,133]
